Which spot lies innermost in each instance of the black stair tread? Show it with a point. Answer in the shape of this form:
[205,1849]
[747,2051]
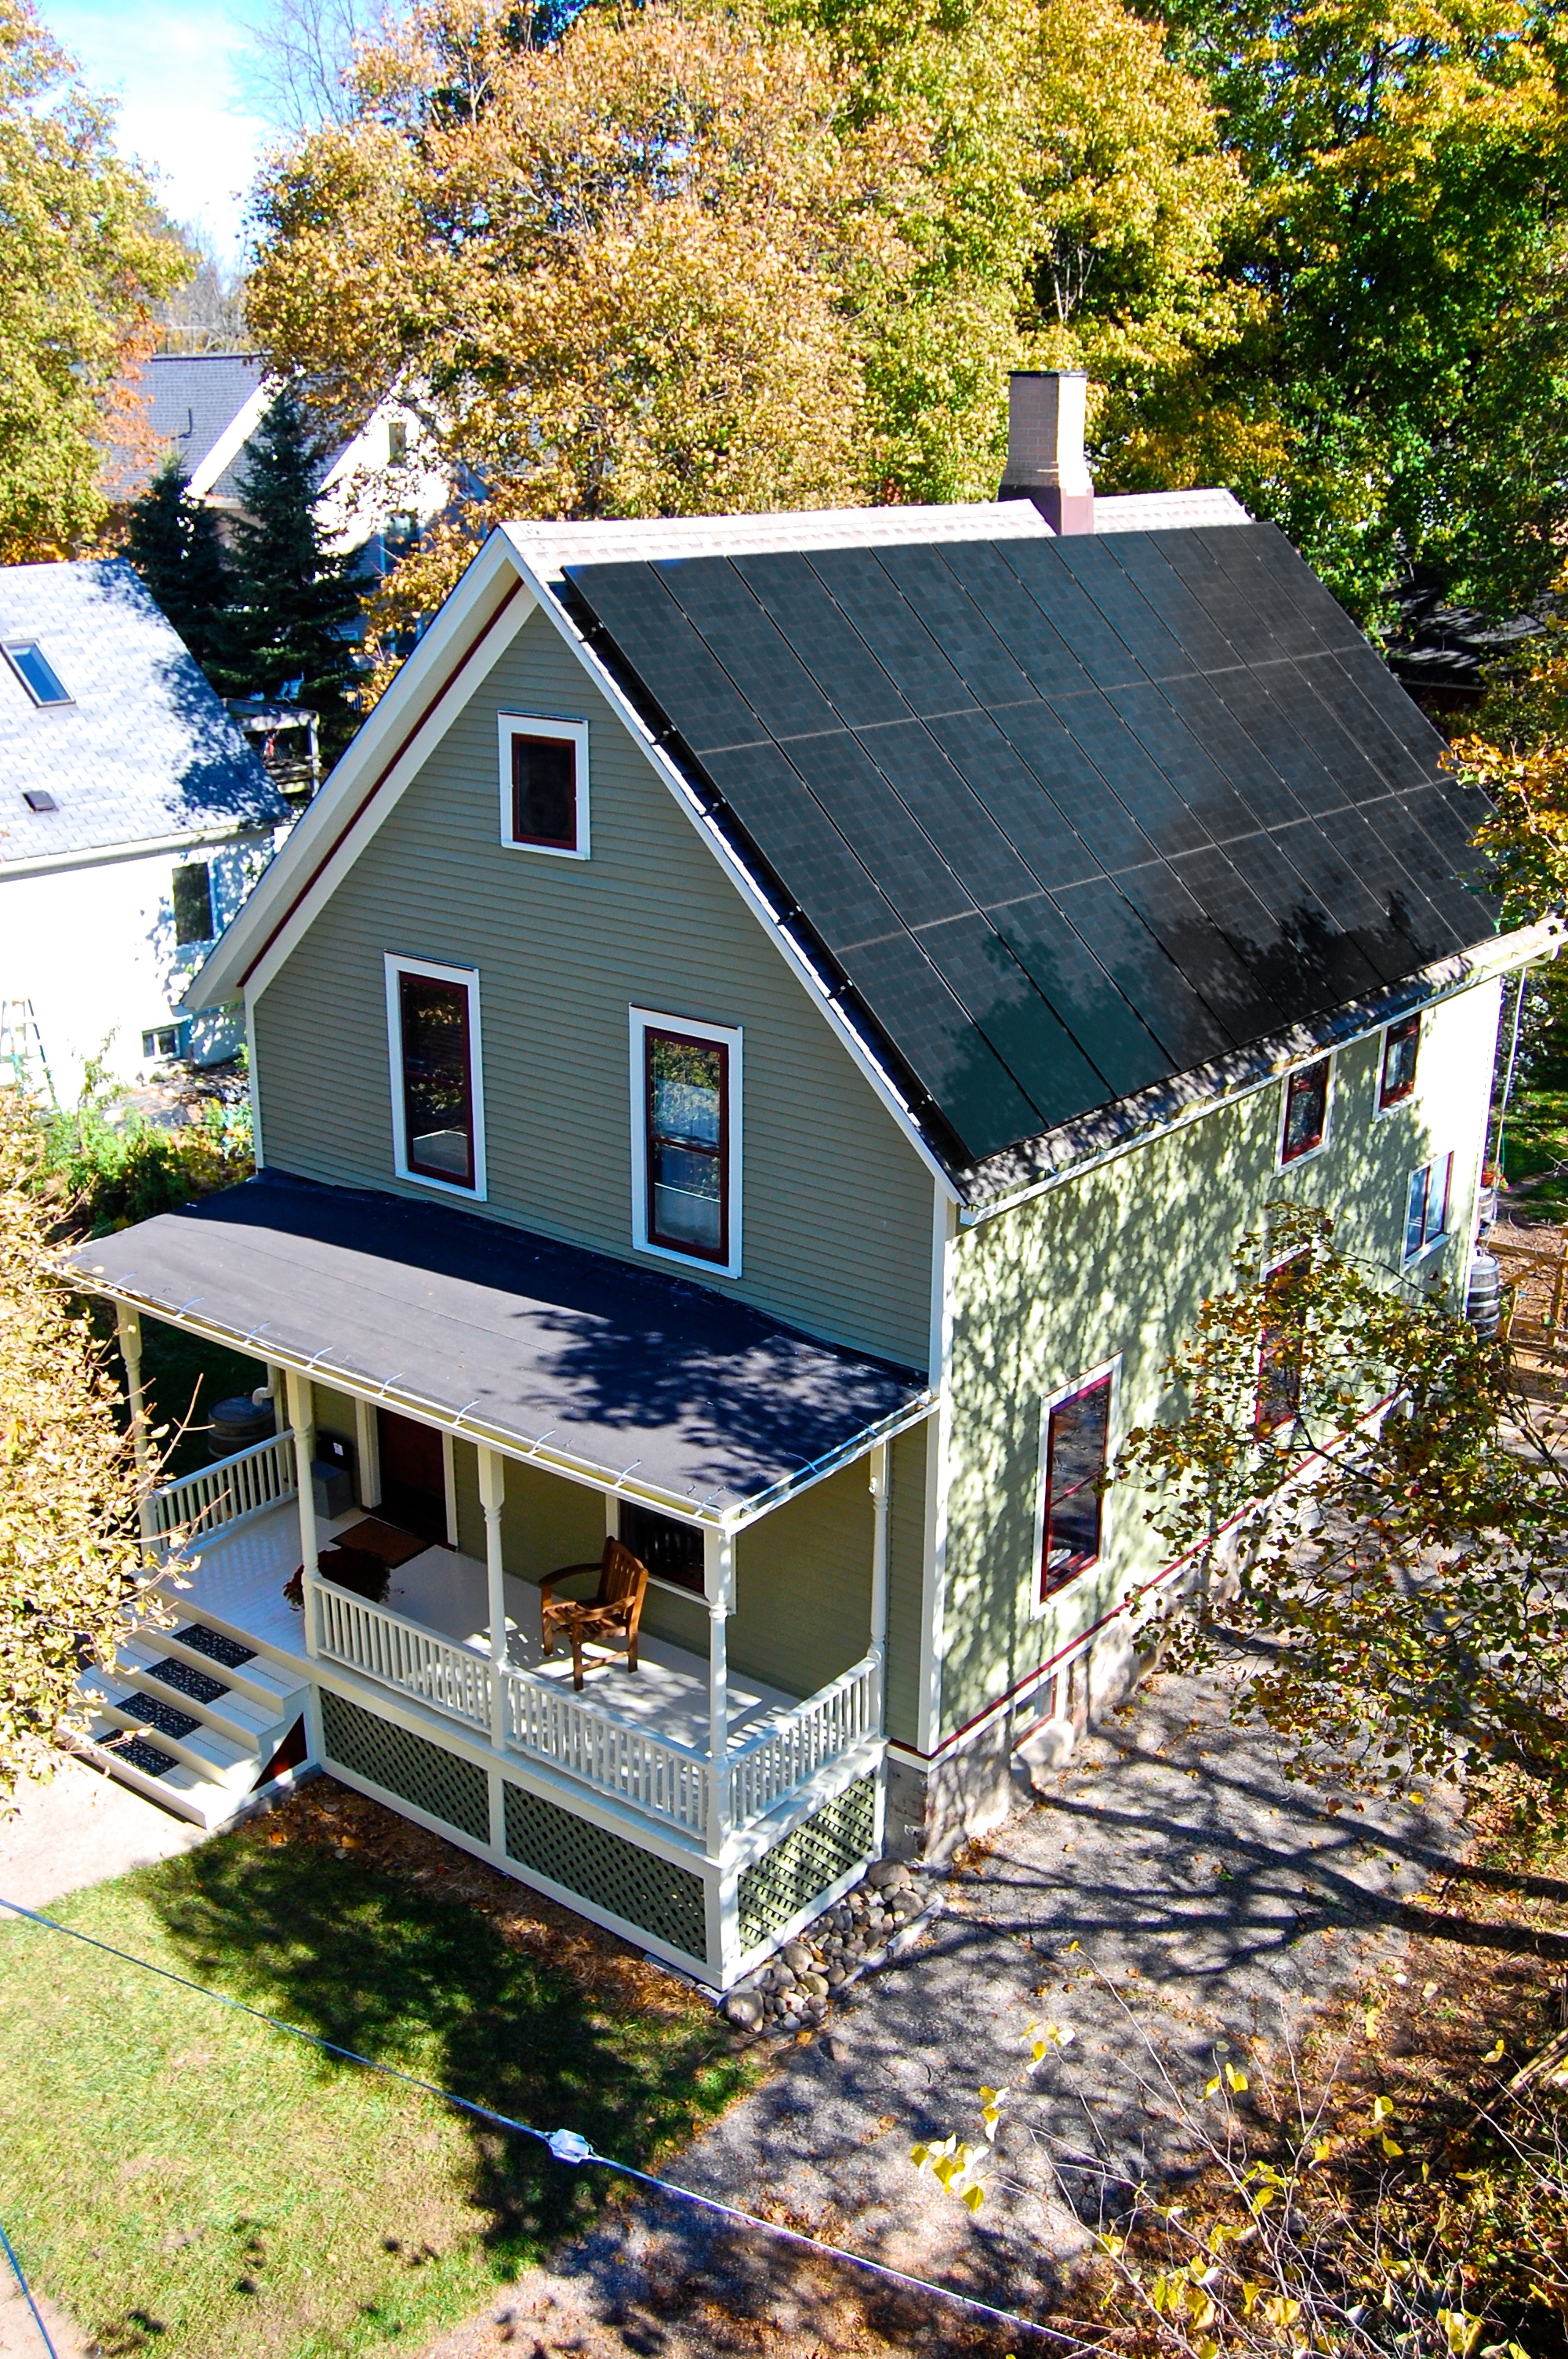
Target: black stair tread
[217,1645]
[166,1718]
[201,1686]
[148,1758]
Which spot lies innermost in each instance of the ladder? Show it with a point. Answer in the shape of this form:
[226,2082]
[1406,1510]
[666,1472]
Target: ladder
[22,1059]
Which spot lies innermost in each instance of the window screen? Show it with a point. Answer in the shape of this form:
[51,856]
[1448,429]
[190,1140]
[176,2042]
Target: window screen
[1307,1111]
[1077,1440]
[671,1551]
[544,792]
[1426,1206]
[438,1079]
[1401,1044]
[687,1086]
[193,903]
[36,672]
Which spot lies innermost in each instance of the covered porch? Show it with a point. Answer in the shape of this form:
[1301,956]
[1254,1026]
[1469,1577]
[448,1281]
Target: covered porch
[703,1806]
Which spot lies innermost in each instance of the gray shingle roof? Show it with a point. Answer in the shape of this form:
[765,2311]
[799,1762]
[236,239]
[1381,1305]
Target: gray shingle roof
[145,749]
[190,398]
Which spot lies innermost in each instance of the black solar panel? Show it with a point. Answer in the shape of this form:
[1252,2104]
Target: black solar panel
[1071,816]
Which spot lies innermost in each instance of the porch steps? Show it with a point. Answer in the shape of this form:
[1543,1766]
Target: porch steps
[190,1717]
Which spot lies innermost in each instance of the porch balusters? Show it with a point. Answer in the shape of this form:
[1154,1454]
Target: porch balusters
[491,1493]
[130,1328]
[301,1417]
[719,1580]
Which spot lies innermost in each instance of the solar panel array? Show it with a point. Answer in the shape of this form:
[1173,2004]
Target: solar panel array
[1072,816]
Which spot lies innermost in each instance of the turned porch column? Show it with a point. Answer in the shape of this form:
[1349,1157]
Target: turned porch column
[718,1583]
[492,1496]
[130,1328]
[301,1414]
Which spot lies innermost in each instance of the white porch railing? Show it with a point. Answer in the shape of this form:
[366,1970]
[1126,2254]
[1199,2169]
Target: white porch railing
[615,1757]
[221,1494]
[795,1747]
[403,1655]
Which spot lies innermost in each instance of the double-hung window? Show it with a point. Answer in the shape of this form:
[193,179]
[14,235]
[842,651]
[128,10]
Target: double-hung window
[1304,1127]
[1402,1045]
[192,894]
[544,785]
[686,1137]
[1281,1349]
[1074,1443]
[1426,1205]
[437,1126]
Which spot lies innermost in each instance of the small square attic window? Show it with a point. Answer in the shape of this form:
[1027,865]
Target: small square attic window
[36,672]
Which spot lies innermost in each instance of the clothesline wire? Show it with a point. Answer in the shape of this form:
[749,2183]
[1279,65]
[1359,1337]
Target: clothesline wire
[567,2147]
[27,2293]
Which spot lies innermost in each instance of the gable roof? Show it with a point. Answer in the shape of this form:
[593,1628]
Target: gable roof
[1069,816]
[203,408]
[145,750]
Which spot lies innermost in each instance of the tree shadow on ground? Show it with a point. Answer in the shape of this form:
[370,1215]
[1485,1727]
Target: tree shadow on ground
[374,1962]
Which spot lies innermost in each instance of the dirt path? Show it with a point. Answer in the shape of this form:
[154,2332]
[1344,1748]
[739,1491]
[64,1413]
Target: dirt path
[1170,1892]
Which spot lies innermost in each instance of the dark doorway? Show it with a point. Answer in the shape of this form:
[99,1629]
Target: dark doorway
[413,1476]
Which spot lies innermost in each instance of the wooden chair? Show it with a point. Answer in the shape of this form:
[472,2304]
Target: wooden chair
[611,1615]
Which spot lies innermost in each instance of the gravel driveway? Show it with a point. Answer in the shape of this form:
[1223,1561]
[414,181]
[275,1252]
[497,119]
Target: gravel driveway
[1170,1891]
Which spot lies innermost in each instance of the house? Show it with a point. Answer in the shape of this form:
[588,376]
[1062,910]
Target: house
[377,489]
[133,820]
[760,1048]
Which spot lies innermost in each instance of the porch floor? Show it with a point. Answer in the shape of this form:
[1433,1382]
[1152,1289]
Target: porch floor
[240,1576]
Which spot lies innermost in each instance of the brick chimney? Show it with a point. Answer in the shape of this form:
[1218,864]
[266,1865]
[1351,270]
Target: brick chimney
[1045,463]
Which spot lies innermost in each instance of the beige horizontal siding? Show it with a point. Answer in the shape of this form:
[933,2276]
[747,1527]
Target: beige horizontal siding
[836,1205]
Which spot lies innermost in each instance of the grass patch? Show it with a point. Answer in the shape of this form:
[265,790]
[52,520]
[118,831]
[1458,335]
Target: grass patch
[183,2180]
[1535,1153]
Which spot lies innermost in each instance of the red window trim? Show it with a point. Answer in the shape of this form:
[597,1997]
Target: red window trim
[1386,1097]
[720,1253]
[1260,1423]
[407,975]
[1047,1586]
[571,842]
[1288,1154]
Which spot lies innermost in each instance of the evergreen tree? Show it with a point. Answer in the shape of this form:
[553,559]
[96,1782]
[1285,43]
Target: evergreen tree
[176,547]
[295,603]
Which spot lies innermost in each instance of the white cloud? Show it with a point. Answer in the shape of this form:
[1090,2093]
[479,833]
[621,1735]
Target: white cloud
[171,71]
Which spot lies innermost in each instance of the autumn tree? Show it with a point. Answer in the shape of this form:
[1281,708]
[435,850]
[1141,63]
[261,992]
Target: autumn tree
[81,261]
[70,1568]
[1407,172]
[1353,1488]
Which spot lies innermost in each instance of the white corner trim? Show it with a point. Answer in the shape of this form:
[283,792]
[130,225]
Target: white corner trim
[938,1469]
[641,1022]
[232,440]
[816,985]
[466,977]
[560,727]
[1039,1606]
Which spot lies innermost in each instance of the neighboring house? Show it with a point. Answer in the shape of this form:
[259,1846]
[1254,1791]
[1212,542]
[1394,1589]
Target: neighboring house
[133,820]
[760,1047]
[205,408]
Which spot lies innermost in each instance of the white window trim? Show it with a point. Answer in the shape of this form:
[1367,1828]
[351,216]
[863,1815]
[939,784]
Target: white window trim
[396,964]
[644,1020]
[1447,1234]
[1039,1607]
[543,724]
[1312,1153]
[1381,1113]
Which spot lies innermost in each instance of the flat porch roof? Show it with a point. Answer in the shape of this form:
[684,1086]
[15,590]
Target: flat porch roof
[621,1376]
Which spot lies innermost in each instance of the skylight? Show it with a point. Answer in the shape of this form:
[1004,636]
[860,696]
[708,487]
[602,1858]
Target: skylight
[36,672]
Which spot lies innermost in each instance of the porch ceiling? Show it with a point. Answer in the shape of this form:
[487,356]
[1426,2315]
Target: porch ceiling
[645,1383]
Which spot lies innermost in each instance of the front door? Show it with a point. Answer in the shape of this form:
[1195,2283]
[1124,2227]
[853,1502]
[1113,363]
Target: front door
[413,1476]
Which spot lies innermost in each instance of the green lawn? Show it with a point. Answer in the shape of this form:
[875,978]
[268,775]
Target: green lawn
[184,2181]
[1535,1142]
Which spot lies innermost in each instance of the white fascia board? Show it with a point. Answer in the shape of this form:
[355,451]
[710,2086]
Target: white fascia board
[817,986]
[145,847]
[232,440]
[343,817]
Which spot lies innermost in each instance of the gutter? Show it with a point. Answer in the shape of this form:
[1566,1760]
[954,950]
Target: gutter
[146,847]
[463,1427]
[1137,1121]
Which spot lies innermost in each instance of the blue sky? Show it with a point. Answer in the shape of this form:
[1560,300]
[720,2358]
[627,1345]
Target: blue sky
[172,69]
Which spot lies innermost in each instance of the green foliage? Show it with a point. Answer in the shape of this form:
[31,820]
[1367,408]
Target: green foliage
[81,261]
[103,1168]
[294,602]
[175,544]
[1402,1572]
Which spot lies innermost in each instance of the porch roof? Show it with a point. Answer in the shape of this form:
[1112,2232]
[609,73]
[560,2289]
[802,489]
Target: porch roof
[649,1384]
